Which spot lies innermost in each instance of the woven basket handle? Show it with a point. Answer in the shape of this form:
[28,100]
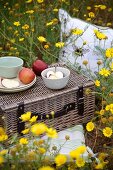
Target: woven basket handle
[65,110]
[20,111]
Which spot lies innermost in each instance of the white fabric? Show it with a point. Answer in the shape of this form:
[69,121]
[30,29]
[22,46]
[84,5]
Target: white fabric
[89,51]
[77,139]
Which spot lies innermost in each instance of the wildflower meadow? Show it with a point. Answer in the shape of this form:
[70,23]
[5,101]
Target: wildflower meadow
[30,29]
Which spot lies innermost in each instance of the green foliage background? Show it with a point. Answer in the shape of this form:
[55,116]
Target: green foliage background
[30,49]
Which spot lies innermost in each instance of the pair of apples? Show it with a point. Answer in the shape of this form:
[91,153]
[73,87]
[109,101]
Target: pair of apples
[27,75]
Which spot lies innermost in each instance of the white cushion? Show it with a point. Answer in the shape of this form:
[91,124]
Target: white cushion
[73,43]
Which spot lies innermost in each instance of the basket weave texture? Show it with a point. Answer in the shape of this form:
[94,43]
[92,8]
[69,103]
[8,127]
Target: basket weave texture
[40,99]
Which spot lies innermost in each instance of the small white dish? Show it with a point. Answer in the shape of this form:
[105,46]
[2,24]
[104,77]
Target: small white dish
[21,86]
[58,83]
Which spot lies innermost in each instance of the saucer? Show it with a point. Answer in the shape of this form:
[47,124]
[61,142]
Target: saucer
[21,86]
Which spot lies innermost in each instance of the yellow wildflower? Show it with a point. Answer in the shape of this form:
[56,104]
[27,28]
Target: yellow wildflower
[10,28]
[107,131]
[104,72]
[41,39]
[88,19]
[59,44]
[31,156]
[11,12]
[77,31]
[88,8]
[17,5]
[41,150]
[97,83]
[25,131]
[16,32]
[40,1]
[2,131]
[17,53]
[3,135]
[99,166]
[109,24]
[32,29]
[109,108]
[91,15]
[109,53]
[26,33]
[25,27]
[29,1]
[33,119]
[55,21]
[102,156]
[1,160]
[102,7]
[23,141]
[74,154]
[102,112]
[49,23]
[38,128]
[26,116]
[39,142]
[12,40]
[80,162]
[21,39]
[60,159]
[55,10]
[52,133]
[3,152]
[46,46]
[17,23]
[81,149]
[46,168]
[109,9]
[111,94]
[3,138]
[75,10]
[30,12]
[103,120]
[77,152]
[110,119]
[100,35]
[90,126]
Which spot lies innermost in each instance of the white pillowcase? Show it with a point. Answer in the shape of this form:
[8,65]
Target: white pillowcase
[73,44]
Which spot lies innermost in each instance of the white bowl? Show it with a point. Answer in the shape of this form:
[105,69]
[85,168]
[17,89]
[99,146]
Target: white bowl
[10,66]
[56,83]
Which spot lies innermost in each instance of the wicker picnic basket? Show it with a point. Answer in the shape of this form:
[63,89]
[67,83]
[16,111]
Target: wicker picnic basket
[71,105]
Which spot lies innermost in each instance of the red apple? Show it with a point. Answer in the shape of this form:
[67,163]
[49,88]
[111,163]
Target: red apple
[26,75]
[39,66]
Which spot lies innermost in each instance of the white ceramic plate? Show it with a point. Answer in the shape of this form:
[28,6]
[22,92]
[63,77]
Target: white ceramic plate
[21,86]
